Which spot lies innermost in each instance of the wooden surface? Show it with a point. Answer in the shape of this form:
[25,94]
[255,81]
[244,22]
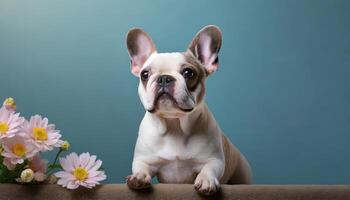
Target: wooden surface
[169,191]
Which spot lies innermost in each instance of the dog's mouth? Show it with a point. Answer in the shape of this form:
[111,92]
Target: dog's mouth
[163,95]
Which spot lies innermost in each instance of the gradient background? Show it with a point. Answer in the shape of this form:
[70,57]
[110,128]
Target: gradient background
[281,95]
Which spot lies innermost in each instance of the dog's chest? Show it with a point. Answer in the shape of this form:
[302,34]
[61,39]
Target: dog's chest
[175,147]
[178,171]
[180,158]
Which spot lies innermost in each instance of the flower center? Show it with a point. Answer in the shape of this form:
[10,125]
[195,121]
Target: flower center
[19,150]
[4,127]
[80,173]
[40,134]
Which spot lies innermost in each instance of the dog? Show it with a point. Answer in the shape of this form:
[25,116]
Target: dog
[179,140]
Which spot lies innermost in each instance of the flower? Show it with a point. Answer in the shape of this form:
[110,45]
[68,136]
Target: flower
[39,166]
[21,144]
[65,145]
[17,149]
[27,175]
[80,170]
[8,164]
[41,133]
[10,104]
[10,123]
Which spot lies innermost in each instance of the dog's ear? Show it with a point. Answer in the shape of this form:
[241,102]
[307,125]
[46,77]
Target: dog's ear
[206,46]
[140,47]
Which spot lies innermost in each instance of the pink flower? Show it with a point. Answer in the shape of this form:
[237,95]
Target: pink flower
[39,166]
[8,164]
[16,150]
[80,170]
[41,133]
[10,123]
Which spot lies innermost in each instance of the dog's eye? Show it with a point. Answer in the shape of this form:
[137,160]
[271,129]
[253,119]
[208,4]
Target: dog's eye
[144,75]
[188,73]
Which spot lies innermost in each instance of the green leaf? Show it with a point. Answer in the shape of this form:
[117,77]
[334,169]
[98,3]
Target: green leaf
[55,166]
[9,176]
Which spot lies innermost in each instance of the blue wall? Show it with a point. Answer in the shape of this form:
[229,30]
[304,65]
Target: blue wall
[282,93]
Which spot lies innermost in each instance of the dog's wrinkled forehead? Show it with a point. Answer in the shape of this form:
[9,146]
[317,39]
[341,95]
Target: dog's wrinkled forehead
[165,62]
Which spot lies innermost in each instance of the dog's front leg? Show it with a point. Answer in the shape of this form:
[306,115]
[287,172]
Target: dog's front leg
[207,181]
[141,175]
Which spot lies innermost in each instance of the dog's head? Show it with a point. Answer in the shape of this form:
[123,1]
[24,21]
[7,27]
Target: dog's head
[173,84]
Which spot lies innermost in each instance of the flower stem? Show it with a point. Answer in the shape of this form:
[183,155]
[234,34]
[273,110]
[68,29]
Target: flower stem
[53,165]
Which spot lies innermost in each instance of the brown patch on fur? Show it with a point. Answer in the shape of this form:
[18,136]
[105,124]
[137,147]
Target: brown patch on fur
[194,63]
[237,169]
[200,96]
[231,159]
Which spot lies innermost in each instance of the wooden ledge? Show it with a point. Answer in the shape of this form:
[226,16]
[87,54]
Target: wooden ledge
[180,191]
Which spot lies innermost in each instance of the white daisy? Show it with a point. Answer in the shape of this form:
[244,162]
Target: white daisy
[17,149]
[82,170]
[44,135]
[10,123]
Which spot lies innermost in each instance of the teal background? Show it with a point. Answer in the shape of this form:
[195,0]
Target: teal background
[281,95]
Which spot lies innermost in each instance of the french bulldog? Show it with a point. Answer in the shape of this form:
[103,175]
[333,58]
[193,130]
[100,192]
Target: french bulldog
[179,140]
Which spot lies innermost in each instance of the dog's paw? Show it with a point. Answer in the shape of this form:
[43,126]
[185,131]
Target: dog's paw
[206,185]
[138,181]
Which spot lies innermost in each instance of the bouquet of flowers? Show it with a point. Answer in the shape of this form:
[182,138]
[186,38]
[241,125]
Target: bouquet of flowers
[21,144]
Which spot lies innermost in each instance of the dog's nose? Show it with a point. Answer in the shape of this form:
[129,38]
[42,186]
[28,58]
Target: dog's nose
[165,80]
